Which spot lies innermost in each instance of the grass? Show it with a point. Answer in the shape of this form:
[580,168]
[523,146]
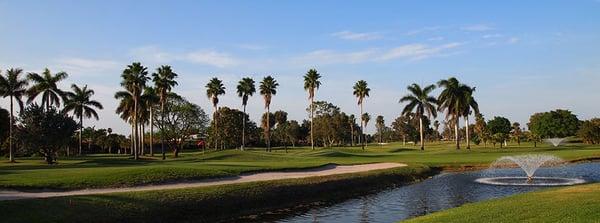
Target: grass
[568,204]
[207,204]
[98,171]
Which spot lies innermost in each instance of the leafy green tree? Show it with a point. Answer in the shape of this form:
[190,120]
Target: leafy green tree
[365,117]
[453,100]
[13,87]
[481,129]
[499,127]
[589,131]
[245,90]
[419,100]
[164,81]
[403,127]
[80,102]
[361,91]
[532,137]
[352,122]
[229,128]
[46,85]
[516,132]
[293,132]
[214,89]
[558,123]
[268,88]
[311,84]
[380,125]
[4,125]
[182,119]
[45,131]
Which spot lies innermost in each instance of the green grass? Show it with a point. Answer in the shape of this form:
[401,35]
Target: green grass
[206,204]
[97,171]
[569,204]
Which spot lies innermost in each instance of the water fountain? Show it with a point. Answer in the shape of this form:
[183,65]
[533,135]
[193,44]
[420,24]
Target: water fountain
[555,141]
[529,164]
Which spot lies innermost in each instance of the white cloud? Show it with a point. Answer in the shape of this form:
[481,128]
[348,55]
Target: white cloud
[437,38]
[416,51]
[252,46]
[84,65]
[422,30]
[347,35]
[490,36]
[512,40]
[477,28]
[207,57]
[330,56]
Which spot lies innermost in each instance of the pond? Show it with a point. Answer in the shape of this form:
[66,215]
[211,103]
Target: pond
[443,191]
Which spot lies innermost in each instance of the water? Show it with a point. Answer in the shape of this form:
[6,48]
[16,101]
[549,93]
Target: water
[555,141]
[440,192]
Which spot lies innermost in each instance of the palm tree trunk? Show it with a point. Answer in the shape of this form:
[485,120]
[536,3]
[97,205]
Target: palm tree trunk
[216,127]
[10,129]
[132,139]
[162,122]
[362,131]
[80,131]
[243,129]
[135,131]
[467,132]
[312,110]
[456,133]
[421,132]
[143,136]
[151,132]
[268,126]
[351,134]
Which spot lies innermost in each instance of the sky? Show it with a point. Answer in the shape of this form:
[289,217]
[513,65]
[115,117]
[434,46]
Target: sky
[522,56]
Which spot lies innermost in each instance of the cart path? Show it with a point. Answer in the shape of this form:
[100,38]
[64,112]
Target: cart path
[254,177]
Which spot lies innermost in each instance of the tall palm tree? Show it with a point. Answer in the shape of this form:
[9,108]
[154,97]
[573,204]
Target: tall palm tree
[311,84]
[125,109]
[14,87]
[419,100]
[149,99]
[352,120]
[452,100]
[361,91]
[268,88]
[81,104]
[365,117]
[46,84]
[134,81]
[164,81]
[245,90]
[214,88]
[470,105]
[380,123]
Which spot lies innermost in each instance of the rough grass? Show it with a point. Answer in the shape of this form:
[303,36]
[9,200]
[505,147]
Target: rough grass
[568,204]
[205,204]
[98,171]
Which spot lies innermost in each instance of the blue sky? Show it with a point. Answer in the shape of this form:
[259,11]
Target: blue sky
[523,56]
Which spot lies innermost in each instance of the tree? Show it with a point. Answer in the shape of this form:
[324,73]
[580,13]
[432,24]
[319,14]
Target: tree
[125,109]
[14,87]
[361,91]
[365,117]
[589,131]
[245,90]
[481,128]
[558,123]
[380,125]
[293,132]
[150,99]
[532,137]
[453,100]
[46,84]
[403,127]
[80,102]
[268,88]
[499,127]
[164,81]
[352,122]
[419,100]
[4,125]
[214,89]
[311,84]
[134,81]
[182,119]
[229,127]
[45,131]
[516,132]
[470,105]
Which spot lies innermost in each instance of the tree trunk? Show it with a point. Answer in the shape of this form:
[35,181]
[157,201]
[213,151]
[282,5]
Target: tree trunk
[162,122]
[132,140]
[11,155]
[80,131]
[243,129]
[143,136]
[467,132]
[456,133]
[352,134]
[312,111]
[135,129]
[268,126]
[362,128]
[151,132]
[215,131]
[421,132]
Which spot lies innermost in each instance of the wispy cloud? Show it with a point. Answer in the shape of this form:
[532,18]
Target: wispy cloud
[512,40]
[491,36]
[423,30]
[85,65]
[348,35]
[252,46]
[409,52]
[206,57]
[477,28]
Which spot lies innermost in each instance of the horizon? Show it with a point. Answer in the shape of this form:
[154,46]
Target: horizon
[522,57]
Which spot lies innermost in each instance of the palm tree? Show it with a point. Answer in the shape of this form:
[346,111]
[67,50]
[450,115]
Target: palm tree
[214,88]
[245,90]
[453,99]
[380,124]
[134,81]
[419,100]
[81,104]
[13,87]
[268,88]
[164,81]
[46,84]
[470,104]
[365,118]
[352,120]
[361,91]
[311,84]
[125,109]
[149,99]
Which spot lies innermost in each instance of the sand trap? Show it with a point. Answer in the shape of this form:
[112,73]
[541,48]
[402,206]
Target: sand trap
[321,171]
